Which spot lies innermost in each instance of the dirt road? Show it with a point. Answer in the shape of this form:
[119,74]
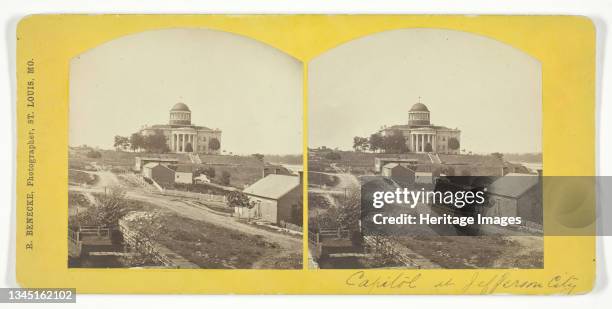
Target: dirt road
[289,245]
[105,179]
[345,182]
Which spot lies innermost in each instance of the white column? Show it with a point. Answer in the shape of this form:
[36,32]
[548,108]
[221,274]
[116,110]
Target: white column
[423,137]
[173,142]
[183,142]
[433,143]
[420,136]
[424,141]
[195,141]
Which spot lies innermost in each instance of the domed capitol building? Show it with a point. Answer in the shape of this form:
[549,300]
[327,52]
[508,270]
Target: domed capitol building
[422,136]
[182,136]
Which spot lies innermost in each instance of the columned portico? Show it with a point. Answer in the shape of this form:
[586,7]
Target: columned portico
[419,141]
[180,131]
[420,131]
[181,139]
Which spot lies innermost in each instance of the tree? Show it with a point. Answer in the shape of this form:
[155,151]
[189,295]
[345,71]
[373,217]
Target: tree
[376,142]
[349,212]
[428,147]
[111,206]
[225,178]
[93,154]
[137,141]
[498,155]
[258,156]
[360,143]
[188,148]
[156,142]
[453,143]
[333,156]
[395,142]
[208,171]
[239,199]
[214,144]
[121,142]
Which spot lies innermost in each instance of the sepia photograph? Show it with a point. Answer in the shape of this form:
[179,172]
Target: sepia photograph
[185,151]
[425,109]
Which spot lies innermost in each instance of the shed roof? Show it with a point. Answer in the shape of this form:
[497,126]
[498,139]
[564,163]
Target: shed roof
[156,164]
[273,186]
[393,165]
[513,185]
[151,165]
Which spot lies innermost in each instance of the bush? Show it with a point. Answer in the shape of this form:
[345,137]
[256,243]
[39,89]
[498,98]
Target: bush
[225,178]
[208,171]
[333,156]
[94,154]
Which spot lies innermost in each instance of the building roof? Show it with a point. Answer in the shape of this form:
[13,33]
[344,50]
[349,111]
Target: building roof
[513,185]
[150,165]
[182,107]
[483,160]
[408,158]
[419,107]
[392,165]
[155,164]
[273,186]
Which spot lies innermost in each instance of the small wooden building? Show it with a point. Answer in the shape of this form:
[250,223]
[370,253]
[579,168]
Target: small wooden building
[278,199]
[399,173]
[183,173]
[516,195]
[159,173]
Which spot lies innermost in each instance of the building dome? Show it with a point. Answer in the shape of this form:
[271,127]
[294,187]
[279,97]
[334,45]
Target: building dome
[180,107]
[180,115]
[418,115]
[419,107]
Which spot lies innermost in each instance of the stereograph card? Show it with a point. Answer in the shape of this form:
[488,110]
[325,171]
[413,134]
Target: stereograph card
[306,154]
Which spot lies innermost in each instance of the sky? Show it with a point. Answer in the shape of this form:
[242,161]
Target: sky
[485,88]
[247,89]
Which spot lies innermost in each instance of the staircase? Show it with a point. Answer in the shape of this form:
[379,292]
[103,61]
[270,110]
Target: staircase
[195,158]
[435,159]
